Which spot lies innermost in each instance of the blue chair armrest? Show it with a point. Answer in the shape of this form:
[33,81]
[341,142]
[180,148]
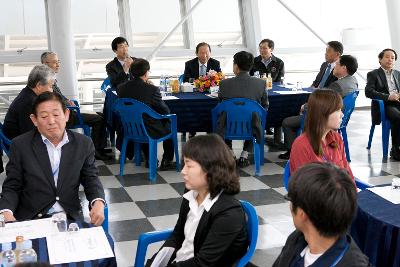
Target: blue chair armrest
[78,111]
[381,108]
[145,239]
[362,185]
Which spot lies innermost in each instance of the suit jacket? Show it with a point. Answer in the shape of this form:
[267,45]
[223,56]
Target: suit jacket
[116,73]
[296,243]
[243,85]
[192,68]
[29,189]
[221,236]
[377,87]
[345,85]
[149,95]
[17,119]
[331,77]
[276,67]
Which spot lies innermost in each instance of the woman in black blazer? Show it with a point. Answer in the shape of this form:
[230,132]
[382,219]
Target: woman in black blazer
[211,228]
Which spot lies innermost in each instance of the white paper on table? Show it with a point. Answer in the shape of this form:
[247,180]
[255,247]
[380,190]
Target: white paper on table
[212,95]
[84,245]
[169,97]
[28,229]
[163,257]
[386,192]
[292,92]
[290,86]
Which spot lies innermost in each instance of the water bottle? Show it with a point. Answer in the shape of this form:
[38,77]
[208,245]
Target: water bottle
[8,257]
[27,253]
[167,85]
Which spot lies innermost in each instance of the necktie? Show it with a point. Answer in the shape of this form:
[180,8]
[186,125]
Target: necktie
[202,70]
[325,77]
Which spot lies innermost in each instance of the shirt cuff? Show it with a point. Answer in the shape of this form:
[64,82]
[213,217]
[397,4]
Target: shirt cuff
[91,203]
[4,210]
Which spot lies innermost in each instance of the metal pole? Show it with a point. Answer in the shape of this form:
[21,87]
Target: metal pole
[169,34]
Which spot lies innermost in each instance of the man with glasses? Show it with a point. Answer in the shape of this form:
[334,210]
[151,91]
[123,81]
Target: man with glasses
[94,120]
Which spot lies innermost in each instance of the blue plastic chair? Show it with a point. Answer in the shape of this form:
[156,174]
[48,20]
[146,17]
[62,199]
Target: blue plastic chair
[105,85]
[286,177]
[180,79]
[385,129]
[349,102]
[80,124]
[105,222]
[238,124]
[109,101]
[131,112]
[145,239]
[4,141]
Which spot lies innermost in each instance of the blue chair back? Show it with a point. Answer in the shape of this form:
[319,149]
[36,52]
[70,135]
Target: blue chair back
[385,129]
[349,102]
[286,175]
[180,79]
[4,141]
[105,85]
[80,123]
[252,232]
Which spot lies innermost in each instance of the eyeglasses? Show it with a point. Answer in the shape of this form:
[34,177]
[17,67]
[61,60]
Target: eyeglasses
[54,62]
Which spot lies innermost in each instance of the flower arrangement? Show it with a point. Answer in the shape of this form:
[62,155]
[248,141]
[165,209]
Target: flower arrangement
[212,78]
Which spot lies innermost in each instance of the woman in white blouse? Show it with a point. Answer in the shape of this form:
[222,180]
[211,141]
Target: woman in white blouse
[211,228]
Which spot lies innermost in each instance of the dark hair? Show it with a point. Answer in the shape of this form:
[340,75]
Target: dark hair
[139,67]
[350,62]
[215,158]
[117,41]
[202,44]
[244,60]
[41,74]
[321,104]
[337,46]
[326,194]
[270,43]
[47,96]
[382,53]
[44,56]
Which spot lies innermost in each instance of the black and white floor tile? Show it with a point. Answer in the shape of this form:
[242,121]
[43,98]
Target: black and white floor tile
[137,205]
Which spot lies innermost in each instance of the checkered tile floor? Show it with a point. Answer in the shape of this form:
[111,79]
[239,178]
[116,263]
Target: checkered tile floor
[137,205]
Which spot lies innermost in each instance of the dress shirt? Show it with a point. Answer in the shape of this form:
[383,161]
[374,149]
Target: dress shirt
[390,81]
[122,62]
[205,64]
[192,222]
[266,61]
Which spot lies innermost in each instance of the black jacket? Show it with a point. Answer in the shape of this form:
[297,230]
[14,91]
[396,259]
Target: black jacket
[331,77]
[221,236]
[192,68]
[296,243]
[377,87]
[116,72]
[17,120]
[276,68]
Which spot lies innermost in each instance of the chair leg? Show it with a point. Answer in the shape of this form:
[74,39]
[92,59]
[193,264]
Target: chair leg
[385,138]
[152,160]
[262,150]
[256,157]
[175,140]
[371,134]
[346,143]
[122,157]
[137,154]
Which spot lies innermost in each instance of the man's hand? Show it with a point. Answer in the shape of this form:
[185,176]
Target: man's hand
[97,213]
[393,97]
[71,103]
[127,63]
[8,216]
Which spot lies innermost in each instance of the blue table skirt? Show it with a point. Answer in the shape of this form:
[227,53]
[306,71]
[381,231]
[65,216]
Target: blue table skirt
[40,246]
[376,229]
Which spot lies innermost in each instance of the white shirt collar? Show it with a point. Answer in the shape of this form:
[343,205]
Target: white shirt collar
[205,64]
[64,141]
[207,202]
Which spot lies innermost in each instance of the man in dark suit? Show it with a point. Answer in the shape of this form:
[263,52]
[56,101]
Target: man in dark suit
[201,64]
[17,121]
[245,86]
[118,68]
[344,70]
[46,167]
[384,84]
[325,75]
[266,62]
[139,89]
[94,120]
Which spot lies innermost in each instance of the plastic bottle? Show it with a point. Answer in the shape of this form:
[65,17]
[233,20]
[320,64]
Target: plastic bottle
[162,83]
[27,253]
[19,240]
[269,81]
[8,257]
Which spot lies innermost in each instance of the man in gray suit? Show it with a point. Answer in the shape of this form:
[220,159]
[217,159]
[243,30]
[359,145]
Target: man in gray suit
[384,84]
[47,165]
[345,84]
[243,86]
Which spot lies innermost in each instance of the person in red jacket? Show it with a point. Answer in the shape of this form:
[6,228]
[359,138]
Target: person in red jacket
[320,141]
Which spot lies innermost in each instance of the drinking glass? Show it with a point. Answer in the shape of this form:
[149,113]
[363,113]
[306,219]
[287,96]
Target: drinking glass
[60,221]
[73,227]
